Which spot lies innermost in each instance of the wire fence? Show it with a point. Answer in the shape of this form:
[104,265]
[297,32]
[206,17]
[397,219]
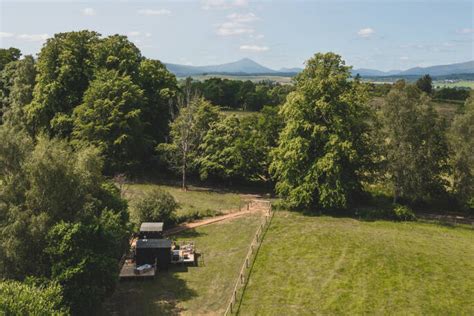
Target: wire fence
[244,273]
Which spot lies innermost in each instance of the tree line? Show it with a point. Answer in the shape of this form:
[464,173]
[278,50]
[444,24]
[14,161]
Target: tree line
[89,107]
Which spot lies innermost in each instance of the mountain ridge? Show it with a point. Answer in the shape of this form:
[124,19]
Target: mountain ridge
[247,66]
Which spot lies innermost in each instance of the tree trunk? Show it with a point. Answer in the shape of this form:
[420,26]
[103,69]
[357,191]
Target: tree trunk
[184,187]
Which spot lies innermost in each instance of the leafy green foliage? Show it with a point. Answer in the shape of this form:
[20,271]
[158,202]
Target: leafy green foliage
[65,66]
[155,205]
[84,259]
[159,87]
[234,149]
[403,213]
[8,55]
[116,52]
[425,84]
[246,95]
[187,132]
[20,92]
[451,94]
[17,298]
[110,118]
[47,184]
[323,148]
[461,143]
[414,144]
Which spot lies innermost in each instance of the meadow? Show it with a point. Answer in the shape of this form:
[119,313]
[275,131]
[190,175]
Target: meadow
[311,265]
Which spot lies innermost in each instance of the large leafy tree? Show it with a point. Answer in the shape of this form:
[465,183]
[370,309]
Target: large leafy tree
[323,147]
[111,119]
[461,143]
[415,147]
[47,184]
[187,132]
[65,66]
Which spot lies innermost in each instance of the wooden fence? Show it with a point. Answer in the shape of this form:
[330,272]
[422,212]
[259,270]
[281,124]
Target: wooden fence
[244,273]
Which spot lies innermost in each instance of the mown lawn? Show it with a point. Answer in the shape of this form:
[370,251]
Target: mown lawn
[196,199]
[205,289]
[331,266]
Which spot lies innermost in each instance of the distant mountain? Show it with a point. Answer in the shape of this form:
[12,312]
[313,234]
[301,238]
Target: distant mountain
[442,70]
[290,70]
[247,66]
[364,72]
[242,66]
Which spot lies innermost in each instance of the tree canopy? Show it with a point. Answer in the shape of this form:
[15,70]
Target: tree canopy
[323,147]
[415,144]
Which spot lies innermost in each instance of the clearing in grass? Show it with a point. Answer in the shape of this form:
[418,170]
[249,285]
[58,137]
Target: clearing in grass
[323,265]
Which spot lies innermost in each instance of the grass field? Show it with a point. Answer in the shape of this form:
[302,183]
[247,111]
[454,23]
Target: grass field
[279,79]
[205,289]
[332,266]
[195,200]
[445,108]
[459,84]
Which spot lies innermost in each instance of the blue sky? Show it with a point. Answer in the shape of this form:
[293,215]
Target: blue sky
[368,34]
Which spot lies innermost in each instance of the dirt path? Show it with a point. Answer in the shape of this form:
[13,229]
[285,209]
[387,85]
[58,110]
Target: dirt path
[253,206]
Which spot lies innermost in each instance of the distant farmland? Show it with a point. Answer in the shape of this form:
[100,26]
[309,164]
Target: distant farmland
[254,78]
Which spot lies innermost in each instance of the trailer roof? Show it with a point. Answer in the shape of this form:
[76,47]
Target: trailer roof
[151,227]
[153,243]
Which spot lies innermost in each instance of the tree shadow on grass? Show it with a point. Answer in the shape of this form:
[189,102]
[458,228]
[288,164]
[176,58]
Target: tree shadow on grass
[159,296]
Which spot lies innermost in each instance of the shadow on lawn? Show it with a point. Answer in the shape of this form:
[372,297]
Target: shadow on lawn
[158,296]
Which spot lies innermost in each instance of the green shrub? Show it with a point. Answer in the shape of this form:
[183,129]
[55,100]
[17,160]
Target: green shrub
[155,206]
[403,213]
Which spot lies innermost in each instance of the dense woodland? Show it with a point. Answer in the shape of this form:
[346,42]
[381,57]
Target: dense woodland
[88,108]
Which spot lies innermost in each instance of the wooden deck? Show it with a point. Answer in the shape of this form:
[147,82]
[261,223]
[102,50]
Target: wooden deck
[128,272]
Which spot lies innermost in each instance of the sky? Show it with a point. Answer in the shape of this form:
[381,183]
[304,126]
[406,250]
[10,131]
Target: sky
[383,34]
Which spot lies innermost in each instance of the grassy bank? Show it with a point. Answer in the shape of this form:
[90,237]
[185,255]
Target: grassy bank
[323,265]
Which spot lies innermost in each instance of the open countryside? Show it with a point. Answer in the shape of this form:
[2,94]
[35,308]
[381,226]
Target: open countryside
[204,158]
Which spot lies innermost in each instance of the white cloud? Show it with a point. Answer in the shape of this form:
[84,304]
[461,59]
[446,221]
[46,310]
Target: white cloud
[33,37]
[89,12]
[254,48]
[222,4]
[147,34]
[256,36]
[232,28]
[242,18]
[154,12]
[366,32]
[6,34]
[404,58]
[237,24]
[133,33]
[466,31]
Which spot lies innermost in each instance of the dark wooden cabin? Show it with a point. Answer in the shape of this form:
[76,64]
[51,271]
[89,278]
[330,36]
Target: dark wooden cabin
[149,251]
